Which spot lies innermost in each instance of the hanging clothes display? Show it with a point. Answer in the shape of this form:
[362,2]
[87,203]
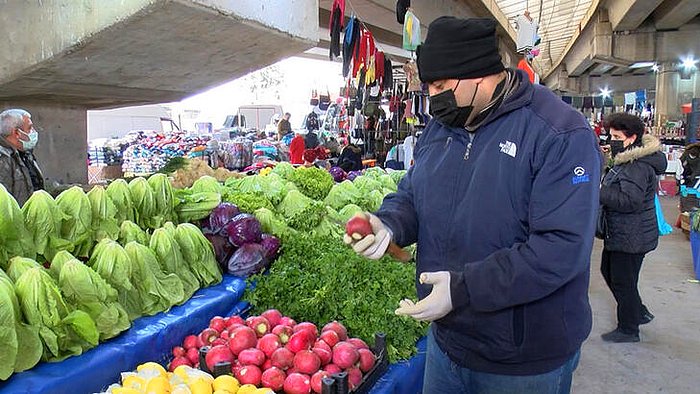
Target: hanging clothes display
[527,31]
[630,98]
[379,68]
[411,71]
[350,41]
[401,8]
[388,74]
[335,25]
[411,32]
[366,49]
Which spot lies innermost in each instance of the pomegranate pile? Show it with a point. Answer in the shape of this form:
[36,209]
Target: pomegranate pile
[273,351]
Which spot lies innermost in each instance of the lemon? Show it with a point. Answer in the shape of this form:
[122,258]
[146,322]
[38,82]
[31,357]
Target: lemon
[151,366]
[134,382]
[200,386]
[158,385]
[247,389]
[227,383]
[224,392]
[264,390]
[183,372]
[124,390]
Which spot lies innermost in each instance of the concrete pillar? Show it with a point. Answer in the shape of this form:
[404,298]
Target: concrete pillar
[62,147]
[667,84]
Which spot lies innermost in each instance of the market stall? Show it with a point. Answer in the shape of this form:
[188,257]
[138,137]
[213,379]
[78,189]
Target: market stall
[149,339]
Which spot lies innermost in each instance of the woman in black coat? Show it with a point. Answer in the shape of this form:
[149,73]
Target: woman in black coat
[627,195]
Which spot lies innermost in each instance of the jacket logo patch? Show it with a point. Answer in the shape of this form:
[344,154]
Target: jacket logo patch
[580,176]
[509,148]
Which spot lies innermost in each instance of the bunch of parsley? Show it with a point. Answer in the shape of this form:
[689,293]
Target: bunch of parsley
[319,279]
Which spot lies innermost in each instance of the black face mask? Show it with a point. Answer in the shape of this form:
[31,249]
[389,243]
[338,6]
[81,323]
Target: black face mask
[616,146]
[444,108]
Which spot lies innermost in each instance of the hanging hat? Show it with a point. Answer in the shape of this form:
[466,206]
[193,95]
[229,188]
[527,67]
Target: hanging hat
[459,49]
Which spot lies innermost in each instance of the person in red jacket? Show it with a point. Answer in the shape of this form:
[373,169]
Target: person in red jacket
[296,149]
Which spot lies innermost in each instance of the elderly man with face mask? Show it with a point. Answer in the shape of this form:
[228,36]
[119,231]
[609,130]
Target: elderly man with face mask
[502,202]
[19,171]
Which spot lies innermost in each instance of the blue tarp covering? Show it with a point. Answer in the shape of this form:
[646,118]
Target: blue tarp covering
[149,339]
[404,377]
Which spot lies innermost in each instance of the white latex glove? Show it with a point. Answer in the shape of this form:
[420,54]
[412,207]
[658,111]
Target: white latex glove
[373,246]
[436,305]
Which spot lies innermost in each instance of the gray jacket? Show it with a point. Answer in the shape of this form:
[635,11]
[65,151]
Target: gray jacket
[627,194]
[14,173]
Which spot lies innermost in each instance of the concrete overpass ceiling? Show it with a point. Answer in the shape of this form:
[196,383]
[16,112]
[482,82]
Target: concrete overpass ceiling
[558,21]
[672,14]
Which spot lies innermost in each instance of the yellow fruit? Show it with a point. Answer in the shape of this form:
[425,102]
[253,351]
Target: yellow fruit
[200,386]
[152,366]
[264,391]
[181,389]
[224,392]
[124,390]
[227,383]
[134,382]
[247,389]
[158,385]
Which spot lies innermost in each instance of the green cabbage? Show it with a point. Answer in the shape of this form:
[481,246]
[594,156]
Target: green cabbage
[15,240]
[20,343]
[397,176]
[113,264]
[130,231]
[198,253]
[77,229]
[374,172]
[84,289]
[195,206]
[247,202]
[283,169]
[169,255]
[57,263]
[119,192]
[348,212]
[313,182]
[64,332]
[159,291]
[388,182]
[271,224]
[271,187]
[20,265]
[164,198]
[43,220]
[104,213]
[207,184]
[374,200]
[342,194]
[366,184]
[144,201]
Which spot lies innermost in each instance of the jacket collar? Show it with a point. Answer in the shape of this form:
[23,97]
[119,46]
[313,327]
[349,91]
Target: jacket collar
[650,145]
[6,148]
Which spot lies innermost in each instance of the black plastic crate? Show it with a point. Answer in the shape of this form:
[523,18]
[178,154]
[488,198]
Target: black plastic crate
[338,383]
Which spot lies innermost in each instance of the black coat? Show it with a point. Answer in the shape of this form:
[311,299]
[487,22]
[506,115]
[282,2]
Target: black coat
[628,193]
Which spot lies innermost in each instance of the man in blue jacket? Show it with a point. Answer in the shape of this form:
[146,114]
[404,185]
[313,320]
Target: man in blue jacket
[502,202]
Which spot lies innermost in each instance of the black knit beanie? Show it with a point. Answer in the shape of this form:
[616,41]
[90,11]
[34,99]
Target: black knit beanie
[459,49]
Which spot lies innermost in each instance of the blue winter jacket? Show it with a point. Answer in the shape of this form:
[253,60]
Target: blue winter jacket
[510,211]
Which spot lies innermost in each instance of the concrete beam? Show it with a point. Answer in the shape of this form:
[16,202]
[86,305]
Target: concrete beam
[673,14]
[144,51]
[629,14]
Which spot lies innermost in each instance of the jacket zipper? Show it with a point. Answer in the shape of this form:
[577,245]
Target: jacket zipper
[469,147]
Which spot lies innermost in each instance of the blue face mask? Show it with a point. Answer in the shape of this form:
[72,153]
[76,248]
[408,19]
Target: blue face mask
[33,139]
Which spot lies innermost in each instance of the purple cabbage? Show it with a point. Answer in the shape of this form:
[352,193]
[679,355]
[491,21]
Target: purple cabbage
[271,245]
[354,174]
[222,215]
[338,174]
[243,229]
[222,249]
[249,259]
